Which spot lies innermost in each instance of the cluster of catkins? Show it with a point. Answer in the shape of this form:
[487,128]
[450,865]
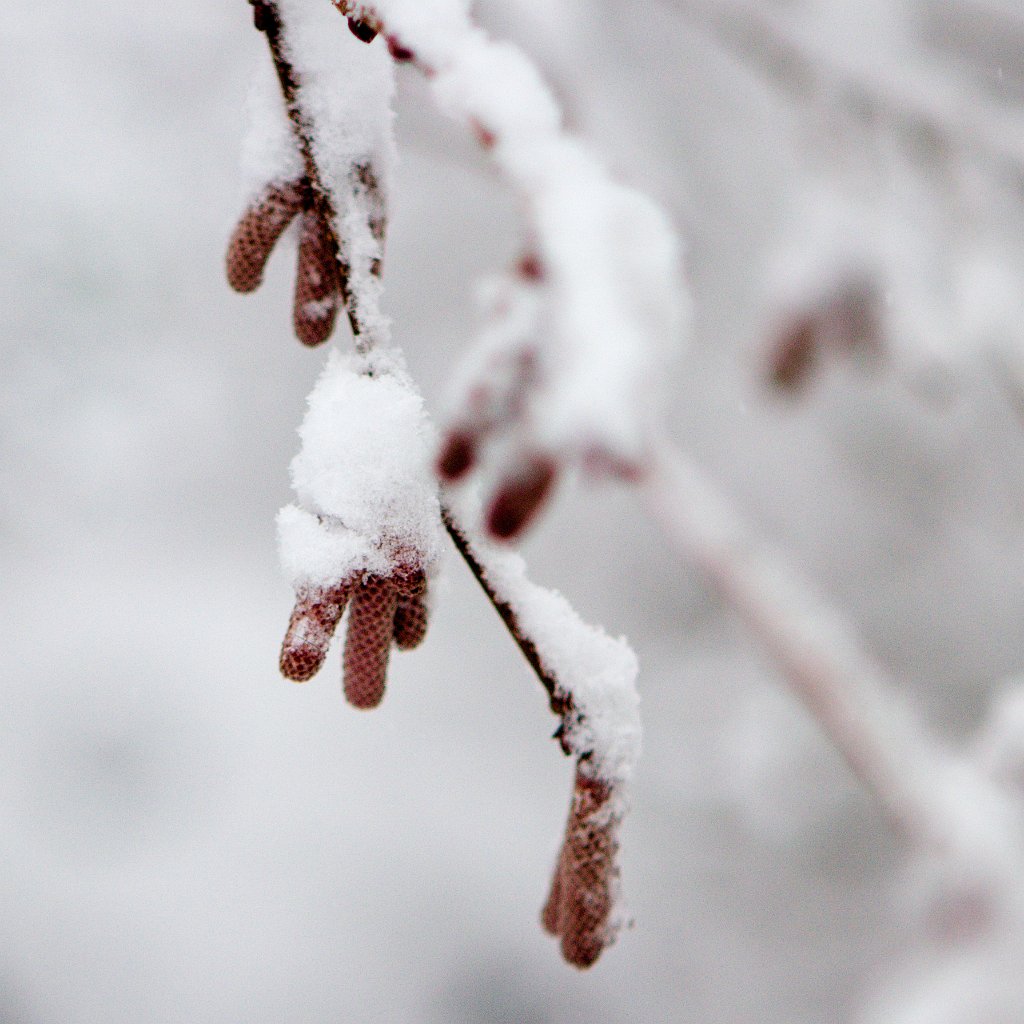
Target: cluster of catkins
[385,609]
[387,599]
[318,277]
[365,533]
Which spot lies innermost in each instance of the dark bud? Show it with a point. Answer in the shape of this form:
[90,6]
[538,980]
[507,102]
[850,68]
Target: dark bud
[363,32]
[458,454]
[410,626]
[398,52]
[520,498]
[530,267]
[794,354]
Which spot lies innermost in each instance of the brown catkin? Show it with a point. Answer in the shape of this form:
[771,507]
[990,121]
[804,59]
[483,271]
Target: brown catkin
[313,621]
[520,498]
[579,905]
[368,642]
[411,613]
[458,454]
[551,914]
[317,282]
[794,354]
[257,233]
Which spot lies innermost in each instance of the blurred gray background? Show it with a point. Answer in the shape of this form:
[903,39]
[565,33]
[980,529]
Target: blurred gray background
[187,837]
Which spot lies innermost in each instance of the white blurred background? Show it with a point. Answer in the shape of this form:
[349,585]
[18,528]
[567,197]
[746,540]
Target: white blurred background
[187,837]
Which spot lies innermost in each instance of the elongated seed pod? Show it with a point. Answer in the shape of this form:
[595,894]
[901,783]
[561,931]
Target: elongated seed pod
[317,282]
[257,233]
[313,622]
[368,641]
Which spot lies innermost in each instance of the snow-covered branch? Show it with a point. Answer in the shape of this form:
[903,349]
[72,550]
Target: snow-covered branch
[364,532]
[591,683]
[580,329]
[576,332]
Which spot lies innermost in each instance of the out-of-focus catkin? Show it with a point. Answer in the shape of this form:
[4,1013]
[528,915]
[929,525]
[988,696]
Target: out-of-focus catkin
[520,497]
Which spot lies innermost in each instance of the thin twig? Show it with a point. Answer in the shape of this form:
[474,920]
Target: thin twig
[267,20]
[801,68]
[561,704]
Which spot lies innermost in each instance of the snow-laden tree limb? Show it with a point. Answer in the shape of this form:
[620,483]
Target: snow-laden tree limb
[577,331]
[363,533]
[597,304]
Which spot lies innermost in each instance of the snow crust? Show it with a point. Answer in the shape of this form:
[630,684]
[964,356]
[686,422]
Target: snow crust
[269,152]
[367,497]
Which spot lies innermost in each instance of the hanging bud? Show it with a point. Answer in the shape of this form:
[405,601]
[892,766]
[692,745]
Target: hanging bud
[794,354]
[458,454]
[314,619]
[257,233]
[371,622]
[579,905]
[401,54]
[317,282]
[362,30]
[520,498]
[410,625]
